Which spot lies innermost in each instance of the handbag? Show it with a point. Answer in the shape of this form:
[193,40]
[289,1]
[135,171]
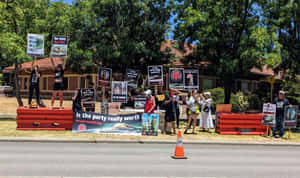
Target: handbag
[206,109]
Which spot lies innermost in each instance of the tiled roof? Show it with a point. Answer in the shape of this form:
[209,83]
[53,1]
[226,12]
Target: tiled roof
[179,54]
[43,64]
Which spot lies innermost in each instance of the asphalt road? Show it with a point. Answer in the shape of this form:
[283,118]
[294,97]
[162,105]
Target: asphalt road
[147,160]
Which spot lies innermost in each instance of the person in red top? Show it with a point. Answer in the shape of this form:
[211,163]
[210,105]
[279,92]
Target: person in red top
[150,103]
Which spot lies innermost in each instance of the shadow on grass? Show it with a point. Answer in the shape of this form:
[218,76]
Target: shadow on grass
[7,119]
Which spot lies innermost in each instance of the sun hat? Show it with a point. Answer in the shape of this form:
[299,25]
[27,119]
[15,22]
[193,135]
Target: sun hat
[148,92]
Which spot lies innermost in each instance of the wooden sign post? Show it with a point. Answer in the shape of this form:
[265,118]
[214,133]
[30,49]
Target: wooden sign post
[271,80]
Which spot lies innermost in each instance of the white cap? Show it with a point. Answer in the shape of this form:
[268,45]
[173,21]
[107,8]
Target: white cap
[148,92]
[207,93]
[281,92]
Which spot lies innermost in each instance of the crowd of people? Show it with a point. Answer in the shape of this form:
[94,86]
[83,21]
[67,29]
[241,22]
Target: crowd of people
[197,104]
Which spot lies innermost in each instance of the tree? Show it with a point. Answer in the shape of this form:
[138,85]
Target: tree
[228,34]
[122,33]
[18,18]
[284,17]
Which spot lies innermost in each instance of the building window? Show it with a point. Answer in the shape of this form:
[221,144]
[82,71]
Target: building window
[25,83]
[66,83]
[244,86]
[82,82]
[45,83]
[207,84]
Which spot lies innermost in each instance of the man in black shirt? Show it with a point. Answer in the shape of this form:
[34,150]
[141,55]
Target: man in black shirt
[34,83]
[170,115]
[281,102]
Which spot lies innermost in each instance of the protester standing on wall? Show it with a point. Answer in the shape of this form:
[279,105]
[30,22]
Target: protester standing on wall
[194,110]
[34,83]
[206,121]
[150,102]
[58,82]
[281,102]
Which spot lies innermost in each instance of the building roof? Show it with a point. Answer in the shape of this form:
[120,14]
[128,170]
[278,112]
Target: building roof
[266,71]
[43,64]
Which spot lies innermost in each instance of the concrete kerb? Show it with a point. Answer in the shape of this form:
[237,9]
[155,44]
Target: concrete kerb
[141,141]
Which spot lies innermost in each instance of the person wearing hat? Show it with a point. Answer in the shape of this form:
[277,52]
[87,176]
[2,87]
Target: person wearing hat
[150,102]
[206,119]
[281,102]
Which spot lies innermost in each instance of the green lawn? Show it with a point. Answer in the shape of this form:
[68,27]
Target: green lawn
[8,129]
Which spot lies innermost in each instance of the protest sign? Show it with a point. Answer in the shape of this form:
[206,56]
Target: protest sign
[88,97]
[59,46]
[176,78]
[88,122]
[35,45]
[139,102]
[290,117]
[119,92]
[155,75]
[132,78]
[269,115]
[191,79]
[104,77]
[150,124]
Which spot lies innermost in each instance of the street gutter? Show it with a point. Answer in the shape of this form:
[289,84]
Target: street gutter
[142,141]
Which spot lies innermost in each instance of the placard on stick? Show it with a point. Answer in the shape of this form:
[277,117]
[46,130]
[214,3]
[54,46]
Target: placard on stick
[104,77]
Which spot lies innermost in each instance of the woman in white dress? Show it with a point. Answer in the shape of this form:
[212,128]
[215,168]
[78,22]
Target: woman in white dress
[206,119]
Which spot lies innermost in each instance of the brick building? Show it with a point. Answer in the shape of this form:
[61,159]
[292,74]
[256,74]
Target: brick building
[73,80]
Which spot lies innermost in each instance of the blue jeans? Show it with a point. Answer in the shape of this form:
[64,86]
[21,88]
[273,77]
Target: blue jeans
[279,126]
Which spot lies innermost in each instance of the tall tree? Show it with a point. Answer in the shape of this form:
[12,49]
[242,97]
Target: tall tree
[284,16]
[228,34]
[124,33]
[18,18]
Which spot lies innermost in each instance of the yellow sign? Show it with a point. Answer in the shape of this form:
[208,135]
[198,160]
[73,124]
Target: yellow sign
[271,79]
[160,97]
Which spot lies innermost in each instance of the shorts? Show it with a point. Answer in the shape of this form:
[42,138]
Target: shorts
[58,86]
[193,112]
[170,117]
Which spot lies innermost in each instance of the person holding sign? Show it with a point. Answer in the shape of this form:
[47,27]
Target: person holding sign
[280,102]
[58,82]
[34,83]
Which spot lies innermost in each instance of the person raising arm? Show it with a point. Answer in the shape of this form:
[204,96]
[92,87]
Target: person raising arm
[58,81]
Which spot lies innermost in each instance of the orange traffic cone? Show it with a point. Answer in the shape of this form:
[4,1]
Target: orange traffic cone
[179,152]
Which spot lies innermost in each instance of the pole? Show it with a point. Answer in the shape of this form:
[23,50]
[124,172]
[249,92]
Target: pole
[272,92]
[289,134]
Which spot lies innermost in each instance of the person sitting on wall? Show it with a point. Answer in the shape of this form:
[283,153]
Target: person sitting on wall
[77,103]
[34,83]
[58,82]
